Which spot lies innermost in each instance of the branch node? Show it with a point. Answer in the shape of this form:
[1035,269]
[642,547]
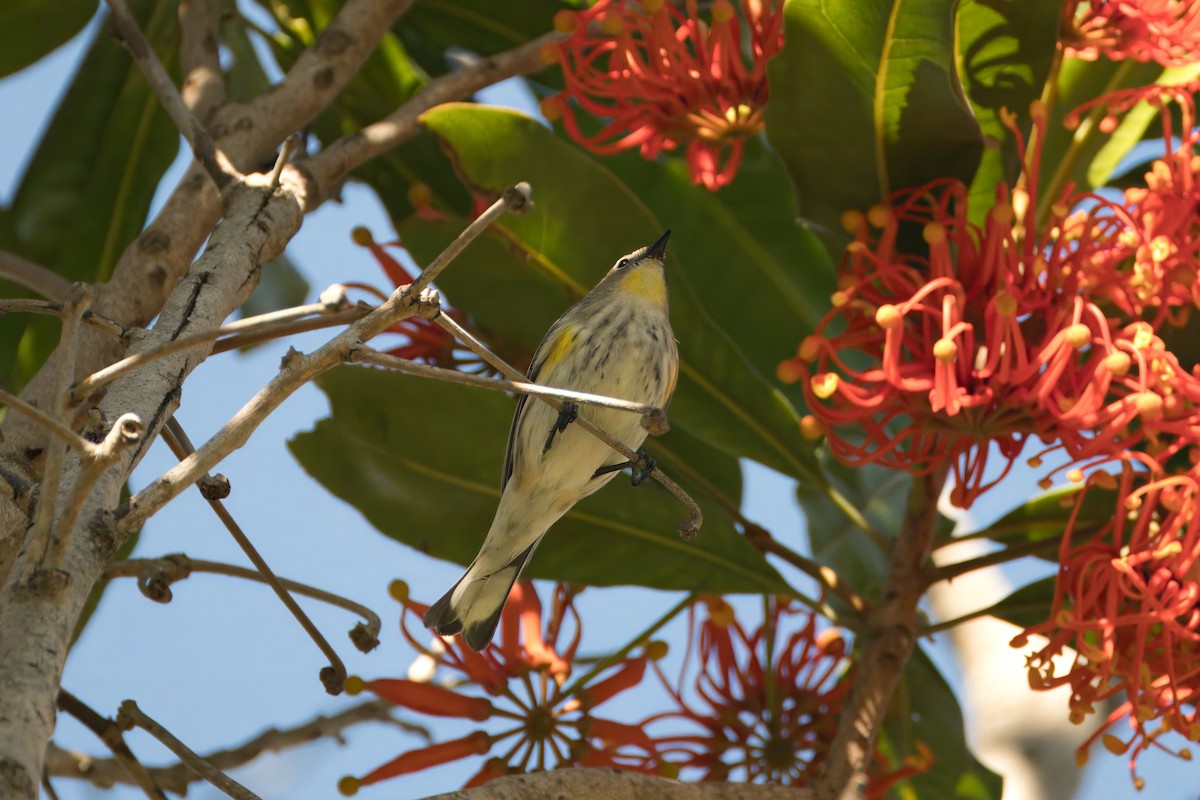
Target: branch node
[518,199]
[655,422]
[333,681]
[46,584]
[363,638]
[334,298]
[290,358]
[214,487]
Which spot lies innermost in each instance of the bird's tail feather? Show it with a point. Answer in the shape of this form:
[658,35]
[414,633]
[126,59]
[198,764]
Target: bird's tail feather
[472,606]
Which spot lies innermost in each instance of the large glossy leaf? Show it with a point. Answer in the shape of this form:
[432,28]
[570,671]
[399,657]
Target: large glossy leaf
[421,460]
[583,219]
[865,99]
[837,542]
[925,710]
[1027,606]
[88,187]
[1004,50]
[1046,516]
[30,29]
[745,241]
[1133,127]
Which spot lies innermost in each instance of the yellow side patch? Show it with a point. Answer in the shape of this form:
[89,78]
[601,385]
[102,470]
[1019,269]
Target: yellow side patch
[559,347]
[648,283]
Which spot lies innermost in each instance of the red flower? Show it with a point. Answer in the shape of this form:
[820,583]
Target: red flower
[766,703]
[1127,601]
[1166,31]
[545,721]
[667,79]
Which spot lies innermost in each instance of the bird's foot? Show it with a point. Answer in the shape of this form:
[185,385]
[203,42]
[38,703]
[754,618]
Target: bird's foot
[568,414]
[642,466]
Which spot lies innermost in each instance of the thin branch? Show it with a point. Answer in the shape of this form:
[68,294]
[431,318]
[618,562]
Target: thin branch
[199,55]
[54,309]
[108,732]
[130,716]
[333,676]
[296,370]
[884,647]
[823,575]
[285,329]
[332,300]
[73,307]
[155,576]
[687,528]
[55,426]
[331,166]
[949,572]
[33,276]
[130,34]
[176,777]
[516,199]
[367,355]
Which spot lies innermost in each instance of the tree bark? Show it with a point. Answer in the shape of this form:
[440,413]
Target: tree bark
[613,784]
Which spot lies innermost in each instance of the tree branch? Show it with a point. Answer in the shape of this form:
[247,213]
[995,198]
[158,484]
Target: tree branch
[613,784]
[175,778]
[35,277]
[199,56]
[109,733]
[215,163]
[884,648]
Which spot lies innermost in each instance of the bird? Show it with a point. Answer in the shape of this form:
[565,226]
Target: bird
[615,341]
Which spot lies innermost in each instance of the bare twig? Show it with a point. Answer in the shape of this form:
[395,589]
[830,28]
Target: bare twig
[284,329]
[130,716]
[331,166]
[332,300]
[130,34]
[33,276]
[297,370]
[126,432]
[176,777]
[76,303]
[687,529]
[762,539]
[199,55]
[368,356]
[949,572]
[109,733]
[333,676]
[884,647]
[155,576]
[55,426]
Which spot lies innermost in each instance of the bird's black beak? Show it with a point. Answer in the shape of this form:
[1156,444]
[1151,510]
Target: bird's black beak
[658,250]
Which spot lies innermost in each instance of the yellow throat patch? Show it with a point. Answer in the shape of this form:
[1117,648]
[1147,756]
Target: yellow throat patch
[646,283]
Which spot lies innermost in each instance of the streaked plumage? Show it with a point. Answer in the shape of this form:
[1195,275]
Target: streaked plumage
[616,341]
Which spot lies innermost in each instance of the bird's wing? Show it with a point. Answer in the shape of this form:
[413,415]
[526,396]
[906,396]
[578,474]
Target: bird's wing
[549,344]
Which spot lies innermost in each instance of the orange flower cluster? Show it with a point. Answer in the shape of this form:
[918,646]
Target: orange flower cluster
[1164,31]
[665,78]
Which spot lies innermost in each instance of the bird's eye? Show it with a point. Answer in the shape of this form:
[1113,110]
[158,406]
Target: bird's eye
[624,262]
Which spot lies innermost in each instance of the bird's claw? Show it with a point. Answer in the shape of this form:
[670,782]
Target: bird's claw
[568,414]
[642,466]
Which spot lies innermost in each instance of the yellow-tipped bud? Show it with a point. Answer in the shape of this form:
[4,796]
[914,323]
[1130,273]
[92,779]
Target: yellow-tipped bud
[348,786]
[398,590]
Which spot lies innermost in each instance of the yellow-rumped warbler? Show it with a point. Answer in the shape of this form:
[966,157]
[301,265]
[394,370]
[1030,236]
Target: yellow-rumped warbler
[616,341]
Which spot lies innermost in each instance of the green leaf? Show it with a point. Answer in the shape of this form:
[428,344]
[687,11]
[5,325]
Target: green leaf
[583,219]
[1133,127]
[1004,51]
[865,100]
[745,241]
[881,495]
[1046,516]
[30,29]
[87,190]
[483,27]
[925,710]
[1027,606]
[421,460]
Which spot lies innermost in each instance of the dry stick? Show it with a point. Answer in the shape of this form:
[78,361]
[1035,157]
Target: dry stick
[687,528]
[14,403]
[825,576]
[332,300]
[176,777]
[284,329]
[332,164]
[124,434]
[155,576]
[130,716]
[368,356]
[74,306]
[297,370]
[200,56]
[49,308]
[110,733]
[33,276]
[333,677]
[890,632]
[949,572]
[130,34]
